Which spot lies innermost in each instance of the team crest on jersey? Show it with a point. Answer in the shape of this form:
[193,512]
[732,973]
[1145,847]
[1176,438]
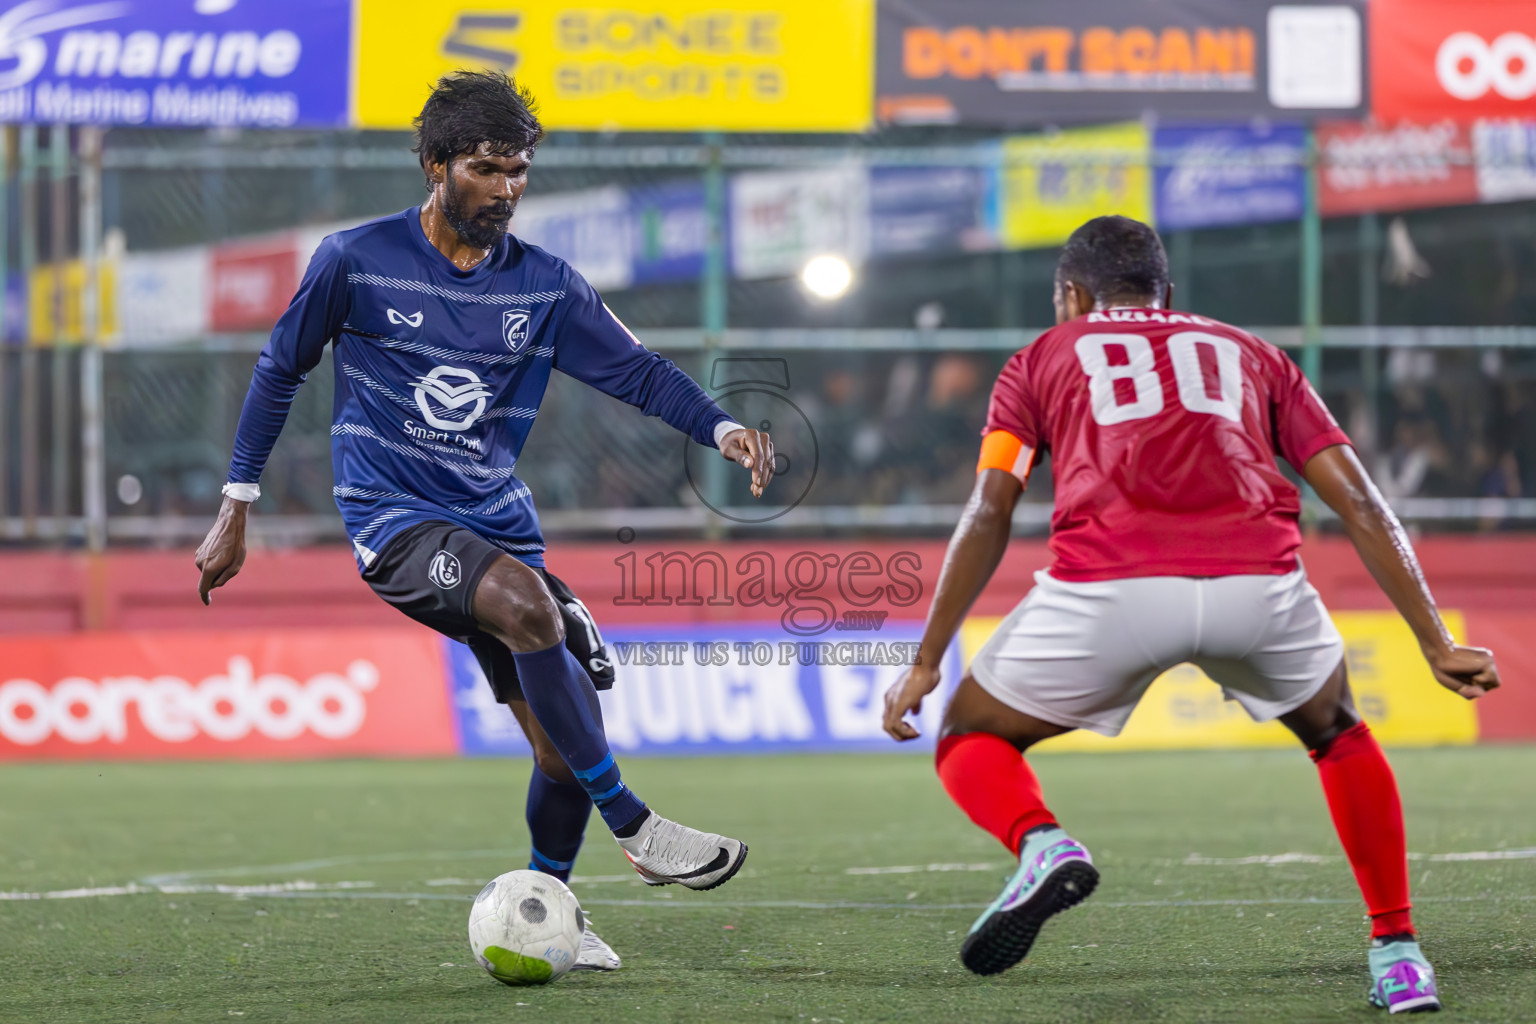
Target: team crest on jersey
[445,570]
[514,328]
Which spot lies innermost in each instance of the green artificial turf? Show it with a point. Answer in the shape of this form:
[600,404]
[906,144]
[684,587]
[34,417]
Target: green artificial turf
[1173,933]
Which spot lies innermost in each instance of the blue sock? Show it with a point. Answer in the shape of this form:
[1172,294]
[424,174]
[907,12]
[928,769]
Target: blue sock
[563,700]
[557,818]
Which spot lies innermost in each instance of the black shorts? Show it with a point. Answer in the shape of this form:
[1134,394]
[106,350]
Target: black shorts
[430,572]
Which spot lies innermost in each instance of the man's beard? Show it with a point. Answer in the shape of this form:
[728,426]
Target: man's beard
[481,229]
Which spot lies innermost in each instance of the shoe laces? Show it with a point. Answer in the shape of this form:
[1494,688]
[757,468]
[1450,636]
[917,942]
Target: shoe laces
[678,845]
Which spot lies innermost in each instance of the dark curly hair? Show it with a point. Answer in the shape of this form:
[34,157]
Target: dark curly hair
[1115,258]
[468,108]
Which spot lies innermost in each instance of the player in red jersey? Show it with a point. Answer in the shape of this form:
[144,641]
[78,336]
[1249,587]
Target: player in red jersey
[1175,539]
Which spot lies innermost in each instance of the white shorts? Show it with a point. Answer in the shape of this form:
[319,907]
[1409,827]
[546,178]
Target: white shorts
[1082,654]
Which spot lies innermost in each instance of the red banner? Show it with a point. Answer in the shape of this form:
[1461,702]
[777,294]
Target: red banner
[253,283]
[1366,167]
[250,694]
[1431,59]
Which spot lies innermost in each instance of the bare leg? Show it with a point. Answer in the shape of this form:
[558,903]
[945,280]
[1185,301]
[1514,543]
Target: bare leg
[973,709]
[1362,798]
[513,605]
[1329,712]
[545,755]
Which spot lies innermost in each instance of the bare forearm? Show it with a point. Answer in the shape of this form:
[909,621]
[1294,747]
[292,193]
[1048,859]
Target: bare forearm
[1388,555]
[975,550]
[1383,545]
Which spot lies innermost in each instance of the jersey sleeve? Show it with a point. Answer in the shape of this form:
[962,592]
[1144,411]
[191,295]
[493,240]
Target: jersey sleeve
[1011,439]
[593,346]
[297,344]
[1303,426]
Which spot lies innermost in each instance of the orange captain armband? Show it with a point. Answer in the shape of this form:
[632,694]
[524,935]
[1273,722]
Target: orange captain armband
[1001,450]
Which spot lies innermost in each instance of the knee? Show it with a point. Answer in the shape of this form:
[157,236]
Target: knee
[514,606]
[1318,730]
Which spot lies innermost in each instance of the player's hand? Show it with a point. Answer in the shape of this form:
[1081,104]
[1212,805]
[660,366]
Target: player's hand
[905,697]
[1468,671]
[222,552]
[754,450]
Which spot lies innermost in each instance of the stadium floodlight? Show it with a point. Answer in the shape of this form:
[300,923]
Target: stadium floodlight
[827,277]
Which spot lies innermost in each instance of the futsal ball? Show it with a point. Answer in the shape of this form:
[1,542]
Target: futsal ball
[526,928]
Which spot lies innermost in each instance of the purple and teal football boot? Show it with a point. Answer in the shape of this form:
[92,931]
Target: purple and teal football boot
[1055,873]
[1403,980]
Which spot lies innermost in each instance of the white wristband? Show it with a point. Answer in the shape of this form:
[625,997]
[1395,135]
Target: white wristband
[725,427]
[242,492]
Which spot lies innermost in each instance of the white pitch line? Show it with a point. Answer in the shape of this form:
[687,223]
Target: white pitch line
[1526,854]
[911,869]
[1278,859]
[1270,859]
[299,867]
[175,877]
[180,882]
[309,890]
[136,889]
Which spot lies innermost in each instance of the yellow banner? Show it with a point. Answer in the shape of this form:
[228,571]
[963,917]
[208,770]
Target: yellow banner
[50,293]
[668,65]
[1185,710]
[1051,184]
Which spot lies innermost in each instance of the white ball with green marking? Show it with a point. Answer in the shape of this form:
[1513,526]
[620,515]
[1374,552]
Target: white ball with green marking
[526,928]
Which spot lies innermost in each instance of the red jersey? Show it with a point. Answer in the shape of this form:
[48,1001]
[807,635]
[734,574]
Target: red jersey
[1163,429]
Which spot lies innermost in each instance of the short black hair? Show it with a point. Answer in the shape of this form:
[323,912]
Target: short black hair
[1115,258]
[469,108]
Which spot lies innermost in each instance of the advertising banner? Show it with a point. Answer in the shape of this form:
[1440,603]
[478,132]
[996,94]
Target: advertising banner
[738,687]
[932,209]
[16,317]
[669,232]
[781,219]
[1506,158]
[589,229]
[55,303]
[1393,687]
[253,282]
[1431,59]
[163,296]
[175,63]
[1235,174]
[212,694]
[1052,183]
[1015,63]
[1365,167]
[669,65]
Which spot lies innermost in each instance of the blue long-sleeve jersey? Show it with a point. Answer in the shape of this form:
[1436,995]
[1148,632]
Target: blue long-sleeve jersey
[439,375]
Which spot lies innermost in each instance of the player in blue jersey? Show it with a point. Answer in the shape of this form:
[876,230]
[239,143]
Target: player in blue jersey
[445,328]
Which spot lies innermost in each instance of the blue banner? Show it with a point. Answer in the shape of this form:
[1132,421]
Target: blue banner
[1236,174]
[918,210]
[732,688]
[670,232]
[182,63]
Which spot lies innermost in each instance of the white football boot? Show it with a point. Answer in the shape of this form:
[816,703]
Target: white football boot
[664,852]
[596,955]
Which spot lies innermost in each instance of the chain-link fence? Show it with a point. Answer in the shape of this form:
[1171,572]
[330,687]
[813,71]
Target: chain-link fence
[878,431]
[876,398]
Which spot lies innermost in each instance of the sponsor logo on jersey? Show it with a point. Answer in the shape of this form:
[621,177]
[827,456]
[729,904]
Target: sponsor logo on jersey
[445,570]
[397,317]
[514,328]
[448,389]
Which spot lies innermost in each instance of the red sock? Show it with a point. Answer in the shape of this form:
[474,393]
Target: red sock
[1362,796]
[988,777]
